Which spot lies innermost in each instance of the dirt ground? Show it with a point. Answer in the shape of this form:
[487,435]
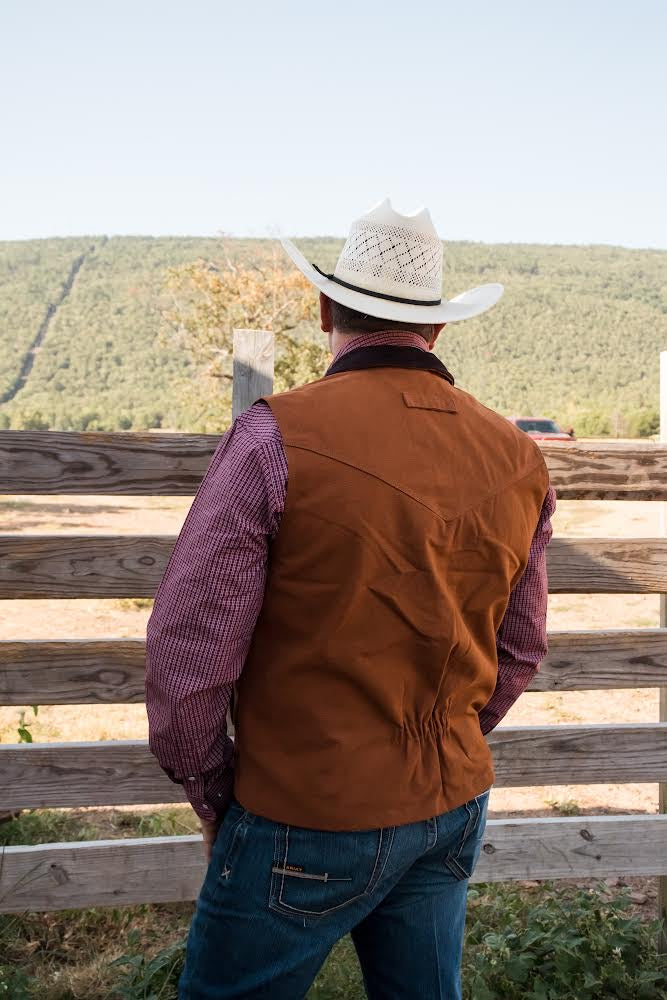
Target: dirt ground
[42,619]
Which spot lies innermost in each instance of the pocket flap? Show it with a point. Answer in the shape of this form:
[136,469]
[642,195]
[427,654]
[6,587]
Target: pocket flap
[430,400]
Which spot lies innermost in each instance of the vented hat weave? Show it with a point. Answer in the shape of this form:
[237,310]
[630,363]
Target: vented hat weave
[391,268]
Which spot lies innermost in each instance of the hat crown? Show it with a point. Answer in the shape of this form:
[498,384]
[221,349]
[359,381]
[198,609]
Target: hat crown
[393,254]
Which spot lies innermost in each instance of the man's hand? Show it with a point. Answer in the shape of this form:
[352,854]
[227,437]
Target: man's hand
[209,829]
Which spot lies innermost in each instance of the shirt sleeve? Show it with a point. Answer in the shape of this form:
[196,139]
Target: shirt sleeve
[521,641]
[206,608]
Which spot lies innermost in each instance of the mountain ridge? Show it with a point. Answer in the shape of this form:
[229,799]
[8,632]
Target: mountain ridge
[576,336]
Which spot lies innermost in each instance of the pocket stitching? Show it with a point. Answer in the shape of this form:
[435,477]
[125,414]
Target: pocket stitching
[392,831]
[452,860]
[234,836]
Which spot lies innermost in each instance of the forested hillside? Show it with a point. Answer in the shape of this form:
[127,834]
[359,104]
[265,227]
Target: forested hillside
[84,345]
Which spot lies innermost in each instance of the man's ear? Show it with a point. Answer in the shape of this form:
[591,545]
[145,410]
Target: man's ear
[437,327]
[326,324]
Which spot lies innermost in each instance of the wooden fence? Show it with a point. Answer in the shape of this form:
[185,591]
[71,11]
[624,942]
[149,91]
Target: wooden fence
[111,671]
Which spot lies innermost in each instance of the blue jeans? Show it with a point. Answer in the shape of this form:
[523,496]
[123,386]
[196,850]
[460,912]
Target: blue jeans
[277,897]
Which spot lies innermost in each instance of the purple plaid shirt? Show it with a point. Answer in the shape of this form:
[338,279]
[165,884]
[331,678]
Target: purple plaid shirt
[210,596]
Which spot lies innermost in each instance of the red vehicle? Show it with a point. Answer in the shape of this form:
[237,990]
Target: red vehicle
[542,429]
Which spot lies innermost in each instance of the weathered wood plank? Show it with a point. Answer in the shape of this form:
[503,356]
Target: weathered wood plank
[82,565]
[607,565]
[125,463]
[613,658]
[579,755]
[118,772]
[123,772]
[171,869]
[72,671]
[131,463]
[253,368]
[611,471]
[111,671]
[133,565]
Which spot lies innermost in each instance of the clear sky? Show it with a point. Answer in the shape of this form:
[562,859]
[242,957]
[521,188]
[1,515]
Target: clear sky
[512,120]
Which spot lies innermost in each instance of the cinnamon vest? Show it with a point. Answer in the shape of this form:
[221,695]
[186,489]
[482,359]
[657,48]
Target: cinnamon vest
[409,516]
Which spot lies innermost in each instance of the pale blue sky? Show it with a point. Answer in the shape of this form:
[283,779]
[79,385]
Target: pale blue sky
[518,120]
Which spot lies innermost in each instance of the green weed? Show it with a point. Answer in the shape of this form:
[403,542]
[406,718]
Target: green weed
[561,946]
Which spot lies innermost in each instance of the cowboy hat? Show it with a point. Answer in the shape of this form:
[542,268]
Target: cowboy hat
[391,268]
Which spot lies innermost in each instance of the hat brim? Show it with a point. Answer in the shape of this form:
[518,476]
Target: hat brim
[464,306]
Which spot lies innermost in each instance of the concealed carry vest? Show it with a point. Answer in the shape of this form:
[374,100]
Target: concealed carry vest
[409,515]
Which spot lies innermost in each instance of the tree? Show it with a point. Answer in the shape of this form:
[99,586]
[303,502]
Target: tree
[210,298]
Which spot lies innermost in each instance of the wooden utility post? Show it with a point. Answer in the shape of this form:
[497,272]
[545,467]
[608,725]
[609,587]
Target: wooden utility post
[662,788]
[254,355]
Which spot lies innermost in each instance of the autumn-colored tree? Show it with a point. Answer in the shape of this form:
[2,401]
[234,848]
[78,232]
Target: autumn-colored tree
[211,298]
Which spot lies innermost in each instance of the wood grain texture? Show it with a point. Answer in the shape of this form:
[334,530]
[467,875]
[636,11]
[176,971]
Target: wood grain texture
[72,671]
[171,869]
[124,463]
[607,565]
[124,772]
[111,671]
[579,755]
[133,565]
[130,463]
[82,565]
[253,368]
[594,660]
[612,471]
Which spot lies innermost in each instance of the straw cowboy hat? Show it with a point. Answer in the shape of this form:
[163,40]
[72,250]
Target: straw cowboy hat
[391,268]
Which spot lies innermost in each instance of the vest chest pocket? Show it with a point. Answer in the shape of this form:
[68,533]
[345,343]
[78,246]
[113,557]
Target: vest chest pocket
[317,872]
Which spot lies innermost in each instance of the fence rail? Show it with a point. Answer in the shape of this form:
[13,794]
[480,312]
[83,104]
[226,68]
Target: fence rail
[128,463]
[124,772]
[167,869]
[49,566]
[111,670]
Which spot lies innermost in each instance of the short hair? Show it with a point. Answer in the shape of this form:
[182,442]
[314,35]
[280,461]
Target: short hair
[349,320]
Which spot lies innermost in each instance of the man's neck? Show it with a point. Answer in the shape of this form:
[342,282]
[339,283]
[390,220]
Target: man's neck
[342,342]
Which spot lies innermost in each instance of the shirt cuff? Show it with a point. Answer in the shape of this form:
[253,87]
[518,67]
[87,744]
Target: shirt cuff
[210,794]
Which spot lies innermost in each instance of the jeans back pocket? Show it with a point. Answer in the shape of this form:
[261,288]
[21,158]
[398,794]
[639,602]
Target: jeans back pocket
[317,872]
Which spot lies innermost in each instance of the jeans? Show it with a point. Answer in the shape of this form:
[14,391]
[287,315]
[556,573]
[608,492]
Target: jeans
[277,897]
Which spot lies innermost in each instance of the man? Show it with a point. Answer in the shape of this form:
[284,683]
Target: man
[365,557]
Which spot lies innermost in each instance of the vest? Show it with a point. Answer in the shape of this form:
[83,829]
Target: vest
[409,515]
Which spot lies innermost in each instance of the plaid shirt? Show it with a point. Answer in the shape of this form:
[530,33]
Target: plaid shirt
[210,596]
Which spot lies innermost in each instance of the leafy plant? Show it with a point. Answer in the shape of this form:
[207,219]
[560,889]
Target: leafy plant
[15,984]
[150,979]
[566,807]
[23,729]
[558,945]
[564,946]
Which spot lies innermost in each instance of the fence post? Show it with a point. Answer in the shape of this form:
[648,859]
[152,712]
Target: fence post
[254,354]
[662,788]
[253,368]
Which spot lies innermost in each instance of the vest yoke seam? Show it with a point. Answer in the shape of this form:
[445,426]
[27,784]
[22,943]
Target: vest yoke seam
[373,475]
[445,520]
[502,489]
